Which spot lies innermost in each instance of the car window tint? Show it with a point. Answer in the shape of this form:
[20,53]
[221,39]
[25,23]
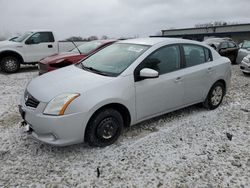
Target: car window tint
[164,60]
[224,45]
[231,45]
[194,55]
[43,37]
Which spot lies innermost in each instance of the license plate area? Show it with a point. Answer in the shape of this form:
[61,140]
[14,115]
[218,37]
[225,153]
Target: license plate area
[21,111]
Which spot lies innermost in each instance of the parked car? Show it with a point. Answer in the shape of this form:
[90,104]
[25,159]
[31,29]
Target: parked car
[29,48]
[245,65]
[225,47]
[123,84]
[243,51]
[68,58]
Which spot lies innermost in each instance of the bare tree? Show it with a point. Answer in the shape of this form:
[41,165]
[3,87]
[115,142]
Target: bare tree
[92,38]
[75,38]
[104,37]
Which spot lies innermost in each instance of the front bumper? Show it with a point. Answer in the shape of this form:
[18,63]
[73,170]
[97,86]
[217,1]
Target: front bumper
[245,67]
[55,130]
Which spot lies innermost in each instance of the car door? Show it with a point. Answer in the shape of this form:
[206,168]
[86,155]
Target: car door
[158,95]
[223,49]
[198,73]
[39,45]
[232,51]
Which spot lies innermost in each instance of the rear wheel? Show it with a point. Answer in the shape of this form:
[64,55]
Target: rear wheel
[104,128]
[215,96]
[10,64]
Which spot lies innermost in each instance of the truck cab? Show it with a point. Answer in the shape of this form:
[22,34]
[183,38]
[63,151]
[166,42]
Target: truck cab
[28,48]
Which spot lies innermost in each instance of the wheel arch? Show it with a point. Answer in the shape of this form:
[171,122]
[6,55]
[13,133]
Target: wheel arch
[223,82]
[11,53]
[122,109]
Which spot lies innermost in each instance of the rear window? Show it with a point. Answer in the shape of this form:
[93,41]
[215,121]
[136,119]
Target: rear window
[196,55]
[231,45]
[88,47]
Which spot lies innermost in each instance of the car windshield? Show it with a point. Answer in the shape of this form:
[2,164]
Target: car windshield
[22,37]
[246,44]
[114,59]
[88,47]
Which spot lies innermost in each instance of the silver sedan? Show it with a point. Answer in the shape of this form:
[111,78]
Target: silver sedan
[122,85]
[245,65]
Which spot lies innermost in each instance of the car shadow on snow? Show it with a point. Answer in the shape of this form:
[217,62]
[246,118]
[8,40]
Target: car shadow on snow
[23,69]
[134,132]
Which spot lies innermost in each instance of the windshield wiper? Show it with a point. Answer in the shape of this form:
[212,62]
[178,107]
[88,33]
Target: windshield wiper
[91,69]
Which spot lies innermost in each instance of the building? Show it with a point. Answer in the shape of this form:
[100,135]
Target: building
[237,32]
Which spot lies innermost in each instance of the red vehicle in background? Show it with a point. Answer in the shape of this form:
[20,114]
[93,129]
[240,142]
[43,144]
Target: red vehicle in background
[60,60]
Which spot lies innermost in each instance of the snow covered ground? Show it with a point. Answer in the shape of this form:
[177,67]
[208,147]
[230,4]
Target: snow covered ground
[186,148]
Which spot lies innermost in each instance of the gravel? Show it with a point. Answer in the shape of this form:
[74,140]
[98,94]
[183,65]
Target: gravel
[192,147]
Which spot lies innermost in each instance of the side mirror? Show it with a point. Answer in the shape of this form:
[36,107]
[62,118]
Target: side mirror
[149,73]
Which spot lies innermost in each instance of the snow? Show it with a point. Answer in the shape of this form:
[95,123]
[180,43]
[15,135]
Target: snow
[185,148]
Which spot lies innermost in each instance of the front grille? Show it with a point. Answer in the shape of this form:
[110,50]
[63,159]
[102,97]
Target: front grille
[30,101]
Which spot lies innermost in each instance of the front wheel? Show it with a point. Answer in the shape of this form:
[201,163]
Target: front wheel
[104,128]
[10,64]
[215,96]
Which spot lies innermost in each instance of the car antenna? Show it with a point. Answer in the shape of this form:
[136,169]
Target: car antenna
[76,46]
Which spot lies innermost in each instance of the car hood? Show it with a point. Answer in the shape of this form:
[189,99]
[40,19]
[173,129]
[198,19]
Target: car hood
[70,79]
[7,43]
[57,57]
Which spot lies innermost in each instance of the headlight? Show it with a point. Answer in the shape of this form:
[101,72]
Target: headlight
[246,59]
[58,105]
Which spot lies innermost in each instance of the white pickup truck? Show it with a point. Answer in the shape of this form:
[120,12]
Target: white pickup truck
[30,48]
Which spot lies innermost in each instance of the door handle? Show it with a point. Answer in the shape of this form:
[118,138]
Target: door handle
[210,69]
[50,46]
[178,79]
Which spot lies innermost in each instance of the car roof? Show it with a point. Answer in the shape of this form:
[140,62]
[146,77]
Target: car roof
[156,40]
[210,40]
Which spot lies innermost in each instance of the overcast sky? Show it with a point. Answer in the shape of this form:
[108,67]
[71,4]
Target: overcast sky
[116,18]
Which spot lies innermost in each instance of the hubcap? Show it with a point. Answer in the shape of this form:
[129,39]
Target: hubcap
[216,96]
[10,64]
[107,128]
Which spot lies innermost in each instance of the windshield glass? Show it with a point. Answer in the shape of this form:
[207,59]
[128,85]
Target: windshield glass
[87,47]
[22,37]
[114,59]
[246,44]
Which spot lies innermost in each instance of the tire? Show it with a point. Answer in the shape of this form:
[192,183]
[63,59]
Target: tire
[104,128]
[10,64]
[215,96]
[246,74]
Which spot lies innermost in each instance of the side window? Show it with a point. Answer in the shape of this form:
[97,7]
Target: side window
[208,55]
[42,37]
[195,55]
[231,45]
[224,45]
[164,60]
